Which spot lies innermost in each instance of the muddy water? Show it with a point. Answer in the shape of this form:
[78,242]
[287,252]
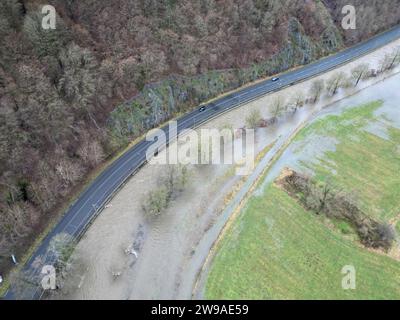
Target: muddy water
[130,257]
[172,249]
[388,91]
[314,148]
[177,244]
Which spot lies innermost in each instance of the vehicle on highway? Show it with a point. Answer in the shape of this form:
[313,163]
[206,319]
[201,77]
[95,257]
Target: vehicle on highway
[274,79]
[202,108]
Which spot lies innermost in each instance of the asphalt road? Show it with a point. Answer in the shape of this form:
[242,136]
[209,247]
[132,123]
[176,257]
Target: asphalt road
[79,215]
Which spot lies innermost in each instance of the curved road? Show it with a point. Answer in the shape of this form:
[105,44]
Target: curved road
[79,215]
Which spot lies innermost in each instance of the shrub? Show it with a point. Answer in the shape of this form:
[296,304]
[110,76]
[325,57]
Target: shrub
[170,187]
[323,199]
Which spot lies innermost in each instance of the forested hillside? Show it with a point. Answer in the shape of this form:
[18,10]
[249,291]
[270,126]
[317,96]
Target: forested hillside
[62,91]
[373,16]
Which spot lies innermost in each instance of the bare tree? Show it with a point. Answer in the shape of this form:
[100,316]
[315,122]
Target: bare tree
[389,61]
[68,171]
[317,87]
[91,152]
[394,58]
[325,194]
[253,119]
[298,99]
[175,180]
[384,63]
[359,73]
[336,82]
[278,107]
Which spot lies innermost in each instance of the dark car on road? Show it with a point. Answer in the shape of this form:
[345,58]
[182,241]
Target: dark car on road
[202,108]
[275,79]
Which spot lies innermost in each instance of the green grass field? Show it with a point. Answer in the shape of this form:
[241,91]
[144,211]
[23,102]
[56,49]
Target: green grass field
[363,163]
[278,250]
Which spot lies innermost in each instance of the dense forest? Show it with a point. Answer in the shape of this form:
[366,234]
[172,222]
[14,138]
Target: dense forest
[64,92]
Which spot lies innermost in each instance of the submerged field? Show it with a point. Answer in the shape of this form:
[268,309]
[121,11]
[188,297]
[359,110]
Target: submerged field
[366,159]
[278,250]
